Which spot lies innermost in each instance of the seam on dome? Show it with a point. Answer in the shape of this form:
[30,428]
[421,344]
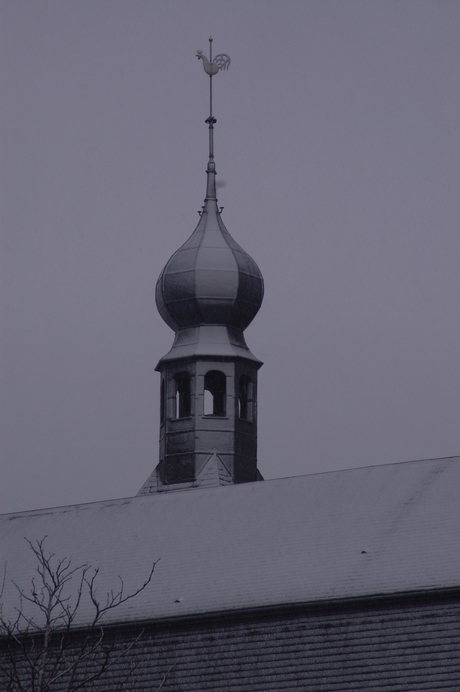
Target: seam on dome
[259,276]
[226,233]
[195,299]
[165,303]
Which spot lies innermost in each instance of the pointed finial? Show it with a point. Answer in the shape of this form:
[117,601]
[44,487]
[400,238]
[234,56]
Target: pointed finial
[212,67]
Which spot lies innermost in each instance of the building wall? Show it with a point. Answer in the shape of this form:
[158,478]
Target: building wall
[391,645]
[387,646]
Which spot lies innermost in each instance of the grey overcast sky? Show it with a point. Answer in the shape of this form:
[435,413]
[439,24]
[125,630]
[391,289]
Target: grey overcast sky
[338,149]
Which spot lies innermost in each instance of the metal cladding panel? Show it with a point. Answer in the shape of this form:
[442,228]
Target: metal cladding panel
[179,282]
[246,288]
[341,535]
[213,238]
[185,312]
[162,309]
[245,263]
[215,310]
[216,283]
[182,260]
[217,258]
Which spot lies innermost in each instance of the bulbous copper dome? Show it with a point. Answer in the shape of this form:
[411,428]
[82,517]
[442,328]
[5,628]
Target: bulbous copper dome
[210,280]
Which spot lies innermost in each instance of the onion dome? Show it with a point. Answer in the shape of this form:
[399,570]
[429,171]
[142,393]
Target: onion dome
[210,280]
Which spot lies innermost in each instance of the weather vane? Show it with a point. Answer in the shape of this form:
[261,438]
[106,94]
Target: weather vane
[212,67]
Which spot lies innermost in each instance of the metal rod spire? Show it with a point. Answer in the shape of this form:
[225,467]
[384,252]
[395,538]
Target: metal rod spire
[210,78]
[211,120]
[221,62]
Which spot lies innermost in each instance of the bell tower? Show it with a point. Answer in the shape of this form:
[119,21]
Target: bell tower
[208,293]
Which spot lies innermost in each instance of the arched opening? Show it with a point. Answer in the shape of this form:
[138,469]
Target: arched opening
[215,393]
[182,397]
[245,398]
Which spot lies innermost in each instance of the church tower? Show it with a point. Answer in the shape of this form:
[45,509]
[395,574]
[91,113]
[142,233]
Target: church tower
[208,293]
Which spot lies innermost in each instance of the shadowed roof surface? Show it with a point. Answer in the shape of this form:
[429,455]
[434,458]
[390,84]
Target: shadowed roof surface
[345,534]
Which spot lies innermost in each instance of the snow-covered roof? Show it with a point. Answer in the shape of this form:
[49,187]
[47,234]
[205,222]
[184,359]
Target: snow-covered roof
[345,534]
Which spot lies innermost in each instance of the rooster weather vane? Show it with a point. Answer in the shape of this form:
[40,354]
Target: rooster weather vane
[212,67]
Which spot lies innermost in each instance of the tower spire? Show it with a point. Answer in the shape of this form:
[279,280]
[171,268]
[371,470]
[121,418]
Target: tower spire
[212,67]
[209,291]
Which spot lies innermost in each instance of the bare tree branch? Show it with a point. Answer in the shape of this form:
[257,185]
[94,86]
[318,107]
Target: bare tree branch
[43,651]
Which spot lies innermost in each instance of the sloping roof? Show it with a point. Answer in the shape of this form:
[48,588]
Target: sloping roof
[346,534]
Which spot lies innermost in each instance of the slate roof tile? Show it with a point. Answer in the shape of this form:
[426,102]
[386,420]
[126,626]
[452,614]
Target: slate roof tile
[345,534]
